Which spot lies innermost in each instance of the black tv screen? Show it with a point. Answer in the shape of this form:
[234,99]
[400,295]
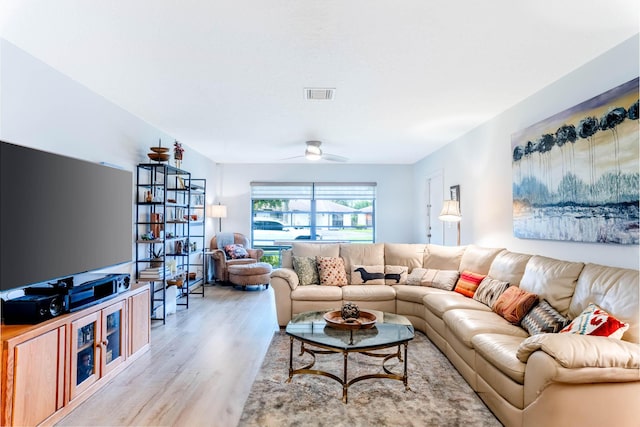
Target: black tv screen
[60,216]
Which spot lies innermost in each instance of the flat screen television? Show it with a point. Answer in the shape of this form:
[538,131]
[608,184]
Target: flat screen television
[60,216]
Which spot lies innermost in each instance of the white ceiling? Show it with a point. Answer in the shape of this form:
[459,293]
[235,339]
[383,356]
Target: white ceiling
[226,77]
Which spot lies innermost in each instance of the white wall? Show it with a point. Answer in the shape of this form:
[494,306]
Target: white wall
[43,109]
[480,162]
[394,209]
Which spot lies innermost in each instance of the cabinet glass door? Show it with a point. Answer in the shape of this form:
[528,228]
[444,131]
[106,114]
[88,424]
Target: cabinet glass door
[85,354]
[113,336]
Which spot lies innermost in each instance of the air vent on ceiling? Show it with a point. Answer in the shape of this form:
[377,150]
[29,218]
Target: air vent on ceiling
[319,94]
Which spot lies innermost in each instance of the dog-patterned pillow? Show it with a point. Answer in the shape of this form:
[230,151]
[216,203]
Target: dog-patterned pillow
[367,274]
[396,274]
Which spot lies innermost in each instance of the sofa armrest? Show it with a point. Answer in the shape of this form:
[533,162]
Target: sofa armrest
[582,351]
[288,275]
[255,253]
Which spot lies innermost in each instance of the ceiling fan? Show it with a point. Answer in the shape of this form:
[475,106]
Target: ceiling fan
[313,152]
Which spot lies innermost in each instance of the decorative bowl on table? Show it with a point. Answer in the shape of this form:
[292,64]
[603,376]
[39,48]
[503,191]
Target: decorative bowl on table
[365,320]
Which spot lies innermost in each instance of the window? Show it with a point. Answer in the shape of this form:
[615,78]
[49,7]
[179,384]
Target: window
[336,212]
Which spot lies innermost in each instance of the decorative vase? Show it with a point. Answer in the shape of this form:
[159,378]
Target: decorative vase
[350,311]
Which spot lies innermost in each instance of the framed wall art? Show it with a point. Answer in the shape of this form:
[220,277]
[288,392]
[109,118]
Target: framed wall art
[576,174]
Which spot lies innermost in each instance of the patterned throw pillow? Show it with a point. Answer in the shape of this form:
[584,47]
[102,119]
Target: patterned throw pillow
[543,319]
[331,271]
[235,252]
[468,283]
[514,304]
[489,290]
[595,321]
[307,270]
[367,274]
[395,274]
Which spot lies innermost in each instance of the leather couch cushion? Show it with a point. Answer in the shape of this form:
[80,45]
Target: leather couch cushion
[407,254]
[439,303]
[316,249]
[478,259]
[553,280]
[369,254]
[465,324]
[500,350]
[615,290]
[509,267]
[443,257]
[368,293]
[317,293]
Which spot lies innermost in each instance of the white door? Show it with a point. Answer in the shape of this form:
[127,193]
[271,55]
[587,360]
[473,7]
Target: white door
[434,198]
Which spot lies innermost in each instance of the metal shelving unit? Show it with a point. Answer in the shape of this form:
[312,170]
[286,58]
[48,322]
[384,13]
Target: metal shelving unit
[165,216]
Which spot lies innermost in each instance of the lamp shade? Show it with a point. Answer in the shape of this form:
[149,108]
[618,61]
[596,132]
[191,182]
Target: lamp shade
[217,211]
[450,211]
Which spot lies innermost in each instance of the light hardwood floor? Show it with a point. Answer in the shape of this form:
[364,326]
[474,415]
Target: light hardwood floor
[199,369]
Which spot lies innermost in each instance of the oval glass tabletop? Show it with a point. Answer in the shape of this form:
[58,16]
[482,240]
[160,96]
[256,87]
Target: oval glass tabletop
[389,329]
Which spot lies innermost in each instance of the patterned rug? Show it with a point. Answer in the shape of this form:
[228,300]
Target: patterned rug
[438,395]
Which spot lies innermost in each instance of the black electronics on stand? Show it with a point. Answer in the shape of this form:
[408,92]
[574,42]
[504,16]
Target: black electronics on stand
[43,302]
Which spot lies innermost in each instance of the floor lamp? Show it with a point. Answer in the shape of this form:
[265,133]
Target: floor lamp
[217,211]
[451,213]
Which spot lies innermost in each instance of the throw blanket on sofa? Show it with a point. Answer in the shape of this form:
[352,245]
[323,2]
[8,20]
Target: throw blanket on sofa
[224,239]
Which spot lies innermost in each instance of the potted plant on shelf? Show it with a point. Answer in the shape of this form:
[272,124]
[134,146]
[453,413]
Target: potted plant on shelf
[156,256]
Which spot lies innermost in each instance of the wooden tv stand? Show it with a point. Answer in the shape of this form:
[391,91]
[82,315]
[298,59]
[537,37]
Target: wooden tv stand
[48,369]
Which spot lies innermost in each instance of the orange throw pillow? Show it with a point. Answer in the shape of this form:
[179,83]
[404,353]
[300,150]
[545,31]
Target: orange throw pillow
[514,304]
[468,283]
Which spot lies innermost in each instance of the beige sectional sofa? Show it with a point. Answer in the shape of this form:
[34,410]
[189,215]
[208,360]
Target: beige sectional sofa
[545,379]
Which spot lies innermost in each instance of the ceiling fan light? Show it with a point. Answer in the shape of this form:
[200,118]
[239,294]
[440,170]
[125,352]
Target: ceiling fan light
[313,154]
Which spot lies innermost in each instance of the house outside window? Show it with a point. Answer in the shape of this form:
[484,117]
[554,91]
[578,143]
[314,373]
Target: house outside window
[330,212]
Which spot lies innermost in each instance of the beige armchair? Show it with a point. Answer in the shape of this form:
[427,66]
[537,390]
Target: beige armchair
[221,262]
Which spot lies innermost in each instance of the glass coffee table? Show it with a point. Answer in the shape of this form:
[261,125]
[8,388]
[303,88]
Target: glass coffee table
[390,330]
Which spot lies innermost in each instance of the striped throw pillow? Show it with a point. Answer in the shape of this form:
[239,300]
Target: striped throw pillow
[489,291]
[468,283]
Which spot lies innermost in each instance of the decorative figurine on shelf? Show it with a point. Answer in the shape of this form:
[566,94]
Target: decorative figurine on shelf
[350,312]
[177,153]
[148,197]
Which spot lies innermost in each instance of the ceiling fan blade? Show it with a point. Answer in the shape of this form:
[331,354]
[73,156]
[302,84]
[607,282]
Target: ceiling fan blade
[292,158]
[334,158]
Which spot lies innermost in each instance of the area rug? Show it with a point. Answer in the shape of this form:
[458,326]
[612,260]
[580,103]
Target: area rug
[438,395]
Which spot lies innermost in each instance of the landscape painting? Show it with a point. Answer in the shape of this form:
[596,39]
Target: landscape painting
[576,174]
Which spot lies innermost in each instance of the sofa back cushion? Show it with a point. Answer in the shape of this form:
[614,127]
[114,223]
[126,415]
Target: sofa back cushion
[443,257]
[410,255]
[286,258]
[478,259]
[315,249]
[509,267]
[553,280]
[615,290]
[361,254]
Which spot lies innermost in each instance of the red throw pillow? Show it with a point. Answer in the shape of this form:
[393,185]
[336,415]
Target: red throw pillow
[468,283]
[595,321]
